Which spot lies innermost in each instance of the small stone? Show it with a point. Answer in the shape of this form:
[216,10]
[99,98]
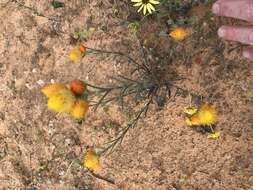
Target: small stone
[41,82]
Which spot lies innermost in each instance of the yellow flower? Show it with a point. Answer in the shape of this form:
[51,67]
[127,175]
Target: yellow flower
[145,5]
[214,135]
[75,55]
[179,33]
[52,89]
[80,109]
[206,115]
[63,101]
[190,110]
[188,122]
[91,160]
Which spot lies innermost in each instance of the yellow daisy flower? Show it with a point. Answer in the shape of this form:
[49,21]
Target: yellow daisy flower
[91,160]
[80,109]
[63,101]
[146,5]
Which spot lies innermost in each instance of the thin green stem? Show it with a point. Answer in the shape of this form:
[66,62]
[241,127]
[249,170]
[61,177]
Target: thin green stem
[143,67]
[34,11]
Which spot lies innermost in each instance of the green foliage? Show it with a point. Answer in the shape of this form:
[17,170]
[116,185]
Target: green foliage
[57,4]
[83,35]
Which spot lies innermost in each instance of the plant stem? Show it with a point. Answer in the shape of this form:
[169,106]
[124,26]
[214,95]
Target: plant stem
[143,67]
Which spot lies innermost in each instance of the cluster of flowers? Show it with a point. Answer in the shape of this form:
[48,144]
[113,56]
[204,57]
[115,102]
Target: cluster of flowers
[147,6]
[70,99]
[62,99]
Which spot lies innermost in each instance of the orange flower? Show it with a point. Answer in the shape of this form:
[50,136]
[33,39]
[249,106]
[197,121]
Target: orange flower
[82,48]
[53,89]
[179,33]
[91,160]
[206,115]
[77,87]
[80,109]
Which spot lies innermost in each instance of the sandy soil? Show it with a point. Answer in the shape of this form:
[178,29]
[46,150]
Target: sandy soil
[42,150]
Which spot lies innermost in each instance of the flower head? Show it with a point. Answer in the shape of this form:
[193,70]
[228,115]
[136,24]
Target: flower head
[77,87]
[82,48]
[62,101]
[206,115]
[91,160]
[75,55]
[145,5]
[179,33]
[80,109]
[53,89]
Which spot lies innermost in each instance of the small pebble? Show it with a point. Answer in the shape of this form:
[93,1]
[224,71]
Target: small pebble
[41,82]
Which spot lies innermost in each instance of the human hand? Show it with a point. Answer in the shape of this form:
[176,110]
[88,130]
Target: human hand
[240,9]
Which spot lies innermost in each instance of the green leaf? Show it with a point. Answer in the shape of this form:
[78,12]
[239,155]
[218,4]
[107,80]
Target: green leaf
[57,4]
[76,35]
[163,34]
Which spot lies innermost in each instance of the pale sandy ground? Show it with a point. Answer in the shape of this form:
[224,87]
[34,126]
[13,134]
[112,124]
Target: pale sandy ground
[41,150]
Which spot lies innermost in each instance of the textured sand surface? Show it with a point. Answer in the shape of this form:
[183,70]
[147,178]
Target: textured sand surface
[42,150]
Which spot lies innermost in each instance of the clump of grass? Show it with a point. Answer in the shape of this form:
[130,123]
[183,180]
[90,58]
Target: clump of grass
[142,88]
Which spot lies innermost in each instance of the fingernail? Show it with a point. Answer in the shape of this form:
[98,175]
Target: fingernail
[251,37]
[222,32]
[247,54]
[216,8]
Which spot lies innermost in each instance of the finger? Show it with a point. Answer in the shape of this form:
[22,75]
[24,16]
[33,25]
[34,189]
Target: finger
[241,9]
[237,33]
[248,53]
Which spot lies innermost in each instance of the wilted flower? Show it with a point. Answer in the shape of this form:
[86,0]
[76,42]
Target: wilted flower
[79,109]
[77,87]
[82,48]
[91,160]
[214,135]
[179,33]
[53,89]
[206,115]
[145,5]
[62,101]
